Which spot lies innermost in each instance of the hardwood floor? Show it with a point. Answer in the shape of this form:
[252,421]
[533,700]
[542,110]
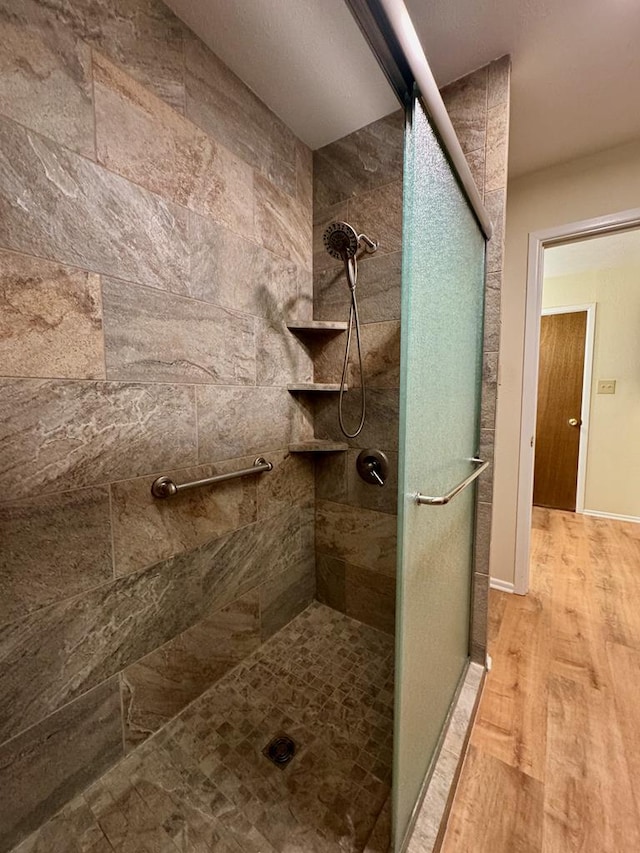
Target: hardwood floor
[554,759]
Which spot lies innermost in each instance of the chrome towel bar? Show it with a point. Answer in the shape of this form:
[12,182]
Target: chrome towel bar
[164,487]
[425,500]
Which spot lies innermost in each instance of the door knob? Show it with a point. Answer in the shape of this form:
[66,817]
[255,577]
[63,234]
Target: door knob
[574,422]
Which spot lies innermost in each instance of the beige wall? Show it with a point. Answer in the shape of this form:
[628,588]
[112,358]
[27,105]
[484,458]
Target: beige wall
[592,186]
[613,456]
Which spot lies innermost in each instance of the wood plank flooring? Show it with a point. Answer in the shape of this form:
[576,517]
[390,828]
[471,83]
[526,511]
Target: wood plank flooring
[554,759]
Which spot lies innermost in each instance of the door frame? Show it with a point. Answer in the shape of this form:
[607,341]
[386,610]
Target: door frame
[587,374]
[538,242]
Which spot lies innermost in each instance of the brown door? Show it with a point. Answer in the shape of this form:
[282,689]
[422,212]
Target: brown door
[562,341]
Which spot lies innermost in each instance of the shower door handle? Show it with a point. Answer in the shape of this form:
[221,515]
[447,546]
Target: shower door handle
[442,500]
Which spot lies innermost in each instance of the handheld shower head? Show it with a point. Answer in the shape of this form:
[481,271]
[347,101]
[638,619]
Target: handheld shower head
[340,240]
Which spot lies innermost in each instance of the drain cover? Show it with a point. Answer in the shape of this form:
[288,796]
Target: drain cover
[280,750]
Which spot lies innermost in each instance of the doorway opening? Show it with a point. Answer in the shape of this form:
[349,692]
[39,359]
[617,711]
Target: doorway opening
[581,375]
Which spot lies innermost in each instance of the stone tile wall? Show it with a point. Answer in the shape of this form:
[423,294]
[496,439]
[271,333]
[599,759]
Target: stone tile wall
[479,108]
[359,179]
[155,235]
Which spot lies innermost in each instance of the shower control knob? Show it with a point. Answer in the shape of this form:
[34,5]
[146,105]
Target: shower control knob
[373,467]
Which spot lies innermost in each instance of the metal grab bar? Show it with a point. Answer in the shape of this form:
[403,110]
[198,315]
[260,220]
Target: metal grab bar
[164,487]
[444,499]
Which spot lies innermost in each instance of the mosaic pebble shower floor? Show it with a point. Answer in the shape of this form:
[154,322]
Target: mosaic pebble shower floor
[203,783]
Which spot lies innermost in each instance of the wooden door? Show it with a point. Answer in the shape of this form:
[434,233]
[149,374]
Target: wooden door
[561,375]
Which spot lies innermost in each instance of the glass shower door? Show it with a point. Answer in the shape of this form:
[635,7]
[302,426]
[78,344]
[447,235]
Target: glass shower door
[441,369]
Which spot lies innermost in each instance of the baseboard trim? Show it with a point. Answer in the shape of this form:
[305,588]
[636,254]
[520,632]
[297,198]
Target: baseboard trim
[612,515]
[502,586]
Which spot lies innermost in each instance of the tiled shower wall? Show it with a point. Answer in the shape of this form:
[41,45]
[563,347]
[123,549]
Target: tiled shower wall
[478,105]
[359,178]
[155,234]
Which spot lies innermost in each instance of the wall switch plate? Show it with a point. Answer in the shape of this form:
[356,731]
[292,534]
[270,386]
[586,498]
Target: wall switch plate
[606,386]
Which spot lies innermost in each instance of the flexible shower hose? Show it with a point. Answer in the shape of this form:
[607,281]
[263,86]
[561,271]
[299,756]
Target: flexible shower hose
[351,270]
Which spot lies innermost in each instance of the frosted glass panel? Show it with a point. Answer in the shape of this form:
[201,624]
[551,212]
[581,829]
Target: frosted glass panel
[441,368]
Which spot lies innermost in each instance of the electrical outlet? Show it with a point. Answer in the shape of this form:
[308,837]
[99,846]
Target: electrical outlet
[606,386]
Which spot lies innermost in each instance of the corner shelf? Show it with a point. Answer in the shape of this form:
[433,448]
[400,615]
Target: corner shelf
[318,446]
[324,326]
[314,387]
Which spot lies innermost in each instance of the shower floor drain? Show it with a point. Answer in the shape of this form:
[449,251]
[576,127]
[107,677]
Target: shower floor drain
[280,750]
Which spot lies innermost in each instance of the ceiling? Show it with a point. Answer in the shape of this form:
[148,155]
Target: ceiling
[620,249]
[576,65]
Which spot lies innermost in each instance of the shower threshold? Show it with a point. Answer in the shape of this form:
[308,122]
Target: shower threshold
[203,783]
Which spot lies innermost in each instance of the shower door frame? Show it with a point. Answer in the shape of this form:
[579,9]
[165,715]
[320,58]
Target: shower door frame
[387,28]
[389,32]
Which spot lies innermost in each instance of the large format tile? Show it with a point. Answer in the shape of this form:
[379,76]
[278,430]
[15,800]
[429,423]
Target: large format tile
[499,74]
[45,79]
[48,765]
[61,206]
[497,147]
[480,608]
[379,278]
[368,158]
[492,300]
[147,530]
[53,548]
[62,434]
[281,358]
[495,203]
[235,422]
[482,542]
[485,481]
[362,537]
[242,560]
[222,105]
[476,159]
[332,477]
[370,597]
[158,337]
[466,103]
[61,652]
[304,175]
[331,582]
[489,390]
[283,225]
[160,685]
[380,352]
[70,829]
[143,36]
[141,138]
[50,319]
[378,214]
[381,424]
[290,483]
[232,271]
[286,595]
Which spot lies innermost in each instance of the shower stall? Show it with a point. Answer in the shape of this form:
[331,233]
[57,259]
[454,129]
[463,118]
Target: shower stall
[247,412]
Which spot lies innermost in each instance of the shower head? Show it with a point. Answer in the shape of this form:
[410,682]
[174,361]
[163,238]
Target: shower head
[340,240]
